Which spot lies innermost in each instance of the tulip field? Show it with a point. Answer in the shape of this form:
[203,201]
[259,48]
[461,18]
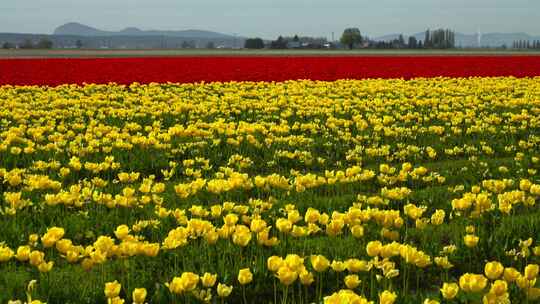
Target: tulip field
[345,181]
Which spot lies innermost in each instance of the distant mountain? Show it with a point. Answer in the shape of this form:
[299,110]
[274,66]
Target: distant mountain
[471,40]
[77,29]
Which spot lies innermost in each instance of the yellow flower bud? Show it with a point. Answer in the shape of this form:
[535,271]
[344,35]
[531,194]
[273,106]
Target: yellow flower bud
[245,276]
[139,295]
[449,290]
[493,270]
[319,263]
[208,279]
[352,281]
[112,289]
[274,263]
[223,290]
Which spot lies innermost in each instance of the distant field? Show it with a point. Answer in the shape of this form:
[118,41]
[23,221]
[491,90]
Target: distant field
[217,52]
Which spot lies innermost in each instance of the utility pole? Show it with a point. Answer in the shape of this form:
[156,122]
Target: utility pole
[333,37]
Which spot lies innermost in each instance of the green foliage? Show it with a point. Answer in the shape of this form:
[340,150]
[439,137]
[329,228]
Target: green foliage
[254,43]
[351,37]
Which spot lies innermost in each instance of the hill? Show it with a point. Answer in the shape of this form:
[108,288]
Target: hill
[77,29]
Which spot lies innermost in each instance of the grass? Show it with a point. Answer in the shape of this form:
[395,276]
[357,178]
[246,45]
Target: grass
[98,53]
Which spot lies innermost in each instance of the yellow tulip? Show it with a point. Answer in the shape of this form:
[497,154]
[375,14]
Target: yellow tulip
[357,231]
[499,288]
[472,282]
[23,253]
[338,266]
[189,281]
[493,270]
[241,235]
[112,289]
[36,257]
[470,240]
[352,281]
[286,276]
[533,293]
[387,297]
[510,274]
[245,276]
[294,262]
[121,232]
[175,286]
[139,295]
[449,290]
[531,271]
[45,266]
[356,265]
[373,248]
[5,253]
[319,263]
[274,263]
[208,279]
[306,277]
[283,225]
[223,290]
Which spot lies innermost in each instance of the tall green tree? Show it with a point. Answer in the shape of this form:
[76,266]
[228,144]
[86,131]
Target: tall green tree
[401,41]
[44,44]
[254,43]
[280,43]
[351,37]
[427,40]
[413,43]
[7,45]
[27,44]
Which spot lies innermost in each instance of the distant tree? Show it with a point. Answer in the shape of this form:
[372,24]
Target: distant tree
[427,40]
[44,43]
[351,37]
[401,41]
[27,44]
[439,39]
[79,44]
[296,38]
[413,44]
[420,44]
[254,43]
[187,45]
[7,45]
[280,43]
[210,45]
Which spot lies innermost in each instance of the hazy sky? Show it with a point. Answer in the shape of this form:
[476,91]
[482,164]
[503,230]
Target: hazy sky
[268,18]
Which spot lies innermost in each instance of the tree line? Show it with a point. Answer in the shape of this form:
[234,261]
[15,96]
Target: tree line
[294,42]
[29,44]
[526,44]
[433,39]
